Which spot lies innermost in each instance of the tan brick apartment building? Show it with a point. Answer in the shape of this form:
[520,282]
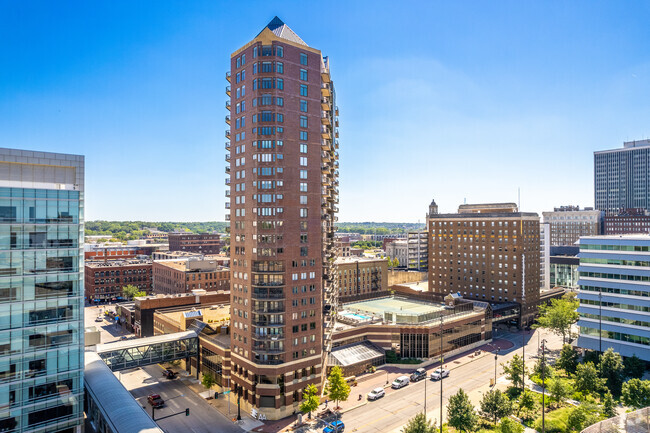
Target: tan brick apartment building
[104,280]
[568,223]
[183,276]
[360,275]
[206,243]
[283,196]
[487,252]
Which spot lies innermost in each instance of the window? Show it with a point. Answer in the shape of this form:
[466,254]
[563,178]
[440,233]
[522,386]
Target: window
[303,124]
[303,186]
[303,59]
[303,212]
[303,90]
[303,74]
[279,51]
[303,161]
[303,174]
[303,199]
[279,67]
[279,83]
[303,106]
[279,101]
[303,148]
[254,52]
[303,135]
[267,67]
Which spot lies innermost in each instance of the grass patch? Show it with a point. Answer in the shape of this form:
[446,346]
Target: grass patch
[555,422]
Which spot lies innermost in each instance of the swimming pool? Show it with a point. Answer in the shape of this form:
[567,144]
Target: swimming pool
[356,316]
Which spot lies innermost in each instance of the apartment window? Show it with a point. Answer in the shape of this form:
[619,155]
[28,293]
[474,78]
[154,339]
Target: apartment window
[303,148]
[243,59]
[267,67]
[303,199]
[238,61]
[279,101]
[303,74]
[279,83]
[303,106]
[254,52]
[303,161]
[303,186]
[303,122]
[303,175]
[279,51]
[279,67]
[243,91]
[303,251]
[303,135]
[303,90]
[303,59]
[303,212]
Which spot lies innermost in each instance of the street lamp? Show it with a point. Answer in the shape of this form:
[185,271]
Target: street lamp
[495,366]
[600,319]
[543,382]
[441,361]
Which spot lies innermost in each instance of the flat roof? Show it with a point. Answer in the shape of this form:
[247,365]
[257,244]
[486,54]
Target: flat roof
[139,342]
[344,260]
[118,406]
[394,304]
[116,263]
[355,353]
[629,237]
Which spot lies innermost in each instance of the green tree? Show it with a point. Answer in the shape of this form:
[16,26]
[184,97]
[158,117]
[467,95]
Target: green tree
[558,316]
[508,425]
[634,368]
[515,371]
[611,369]
[526,403]
[460,412]
[636,393]
[130,291]
[582,416]
[419,424]
[559,389]
[587,380]
[337,388]
[495,405]
[568,359]
[543,367]
[609,407]
[310,400]
[395,262]
[208,380]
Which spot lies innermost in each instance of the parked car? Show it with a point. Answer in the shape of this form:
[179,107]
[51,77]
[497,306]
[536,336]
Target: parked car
[418,374]
[376,393]
[169,374]
[334,427]
[400,382]
[439,373]
[155,400]
[99,319]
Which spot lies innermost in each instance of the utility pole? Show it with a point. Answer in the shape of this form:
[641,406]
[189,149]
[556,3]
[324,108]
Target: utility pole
[496,353]
[441,361]
[543,382]
[600,319]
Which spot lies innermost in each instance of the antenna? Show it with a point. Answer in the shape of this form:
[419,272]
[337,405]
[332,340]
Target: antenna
[519,198]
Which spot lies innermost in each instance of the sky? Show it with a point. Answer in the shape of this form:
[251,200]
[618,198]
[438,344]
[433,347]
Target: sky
[463,101]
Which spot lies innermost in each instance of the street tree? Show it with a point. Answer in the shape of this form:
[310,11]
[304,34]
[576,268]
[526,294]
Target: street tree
[460,412]
[395,262]
[587,380]
[130,291]
[310,400]
[609,407]
[495,405]
[612,370]
[559,390]
[582,416]
[636,393]
[558,316]
[568,359]
[526,403]
[634,368]
[543,370]
[337,388]
[419,424]
[208,380]
[515,371]
[508,425]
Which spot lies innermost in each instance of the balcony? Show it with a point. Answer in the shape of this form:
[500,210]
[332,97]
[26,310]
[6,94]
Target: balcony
[262,295]
[227,157]
[325,133]
[227,169]
[336,123]
[336,144]
[227,193]
[336,133]
[326,144]
[276,310]
[227,181]
[264,350]
[227,205]
[266,323]
[228,133]
[325,120]
[325,105]
[228,105]
[325,91]
[336,112]
[228,76]
[228,119]
[325,76]
[228,217]
[268,337]
[228,90]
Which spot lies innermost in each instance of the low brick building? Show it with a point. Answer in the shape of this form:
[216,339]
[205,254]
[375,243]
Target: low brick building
[628,221]
[183,276]
[206,243]
[104,280]
[359,275]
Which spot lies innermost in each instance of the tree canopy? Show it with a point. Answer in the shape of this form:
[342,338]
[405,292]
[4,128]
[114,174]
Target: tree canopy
[310,400]
[131,291]
[568,359]
[612,370]
[460,412]
[636,393]
[514,371]
[495,405]
[337,388]
[587,380]
[558,316]
[419,424]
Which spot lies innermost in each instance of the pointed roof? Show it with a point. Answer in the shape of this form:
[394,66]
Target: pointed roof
[281,30]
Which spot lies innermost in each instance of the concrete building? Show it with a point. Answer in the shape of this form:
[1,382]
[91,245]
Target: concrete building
[544,256]
[569,223]
[41,291]
[105,279]
[361,276]
[627,221]
[487,252]
[183,276]
[398,250]
[205,243]
[283,177]
[418,251]
[614,289]
[621,177]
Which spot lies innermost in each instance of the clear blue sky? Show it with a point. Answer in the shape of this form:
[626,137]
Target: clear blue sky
[453,100]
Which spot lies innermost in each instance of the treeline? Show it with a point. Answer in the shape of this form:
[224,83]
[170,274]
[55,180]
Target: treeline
[368,228]
[126,230]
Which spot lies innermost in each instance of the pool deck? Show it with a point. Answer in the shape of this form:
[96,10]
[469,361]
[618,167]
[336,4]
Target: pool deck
[377,307]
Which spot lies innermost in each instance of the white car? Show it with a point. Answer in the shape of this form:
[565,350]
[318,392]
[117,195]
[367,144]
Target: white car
[376,393]
[400,382]
[439,373]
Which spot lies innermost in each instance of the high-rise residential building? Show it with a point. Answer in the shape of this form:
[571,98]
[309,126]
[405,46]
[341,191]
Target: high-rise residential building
[568,223]
[614,289]
[544,256]
[283,178]
[622,177]
[487,252]
[41,291]
[418,251]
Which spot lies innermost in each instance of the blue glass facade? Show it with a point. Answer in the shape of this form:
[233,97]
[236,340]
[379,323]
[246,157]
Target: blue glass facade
[41,307]
[614,294]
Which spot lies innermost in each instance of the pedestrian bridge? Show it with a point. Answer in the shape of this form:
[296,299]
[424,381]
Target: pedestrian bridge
[122,355]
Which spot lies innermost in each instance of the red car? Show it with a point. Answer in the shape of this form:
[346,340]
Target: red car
[155,400]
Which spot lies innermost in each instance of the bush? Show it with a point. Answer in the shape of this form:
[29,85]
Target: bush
[556,421]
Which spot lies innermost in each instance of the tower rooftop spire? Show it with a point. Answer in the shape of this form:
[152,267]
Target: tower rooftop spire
[281,30]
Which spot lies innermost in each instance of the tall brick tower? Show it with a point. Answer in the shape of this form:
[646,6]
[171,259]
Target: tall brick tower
[283,189]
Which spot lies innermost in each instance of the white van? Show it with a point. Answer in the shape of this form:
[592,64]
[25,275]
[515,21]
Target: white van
[400,382]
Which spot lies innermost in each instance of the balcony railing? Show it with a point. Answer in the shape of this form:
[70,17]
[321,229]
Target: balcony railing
[227,181]
[228,76]
[228,90]
[227,133]
[227,145]
[227,157]
[228,105]
[227,205]
[325,90]
[228,119]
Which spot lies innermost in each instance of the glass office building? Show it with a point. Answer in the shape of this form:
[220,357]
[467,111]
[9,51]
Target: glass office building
[41,291]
